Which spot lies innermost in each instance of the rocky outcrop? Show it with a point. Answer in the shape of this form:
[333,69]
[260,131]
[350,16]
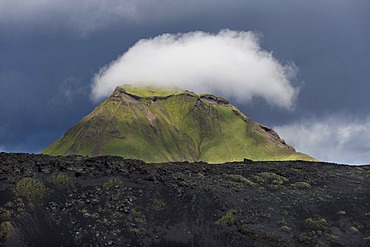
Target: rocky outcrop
[218,100]
[109,201]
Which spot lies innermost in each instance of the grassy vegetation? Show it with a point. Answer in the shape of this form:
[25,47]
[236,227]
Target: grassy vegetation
[13,209]
[158,205]
[150,91]
[270,179]
[301,185]
[286,229]
[240,179]
[367,240]
[227,219]
[138,216]
[6,230]
[316,223]
[30,188]
[138,231]
[353,229]
[60,180]
[331,236]
[112,183]
[179,128]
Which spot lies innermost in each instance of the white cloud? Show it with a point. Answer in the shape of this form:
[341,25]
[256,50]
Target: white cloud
[229,63]
[336,138]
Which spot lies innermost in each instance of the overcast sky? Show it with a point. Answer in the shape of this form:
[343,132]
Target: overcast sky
[301,67]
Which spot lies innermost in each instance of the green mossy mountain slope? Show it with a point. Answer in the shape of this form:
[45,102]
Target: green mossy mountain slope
[161,125]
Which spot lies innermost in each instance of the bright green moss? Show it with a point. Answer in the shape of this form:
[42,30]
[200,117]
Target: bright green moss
[177,127]
[150,91]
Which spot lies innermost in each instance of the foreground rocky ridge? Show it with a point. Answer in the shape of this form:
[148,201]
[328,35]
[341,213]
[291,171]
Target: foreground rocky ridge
[109,201]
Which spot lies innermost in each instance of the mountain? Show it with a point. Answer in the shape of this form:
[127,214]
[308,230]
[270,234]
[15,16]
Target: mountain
[161,125]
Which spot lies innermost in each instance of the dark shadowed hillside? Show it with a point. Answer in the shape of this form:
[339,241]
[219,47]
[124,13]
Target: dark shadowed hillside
[109,201]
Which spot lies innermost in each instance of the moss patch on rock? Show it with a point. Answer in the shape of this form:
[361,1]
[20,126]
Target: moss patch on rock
[30,188]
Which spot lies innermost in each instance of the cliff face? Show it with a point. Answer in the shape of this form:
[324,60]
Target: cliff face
[159,125]
[109,201]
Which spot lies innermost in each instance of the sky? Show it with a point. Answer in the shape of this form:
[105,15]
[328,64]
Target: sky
[301,67]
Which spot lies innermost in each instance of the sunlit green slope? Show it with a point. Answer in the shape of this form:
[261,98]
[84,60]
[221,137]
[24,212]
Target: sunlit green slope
[160,125]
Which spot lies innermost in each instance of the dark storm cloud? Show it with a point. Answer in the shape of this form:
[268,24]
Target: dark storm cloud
[85,17]
[50,50]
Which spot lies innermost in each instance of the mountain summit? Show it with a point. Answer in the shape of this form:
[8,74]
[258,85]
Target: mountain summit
[161,125]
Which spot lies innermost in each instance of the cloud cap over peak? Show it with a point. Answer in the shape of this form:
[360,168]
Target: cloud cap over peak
[229,63]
